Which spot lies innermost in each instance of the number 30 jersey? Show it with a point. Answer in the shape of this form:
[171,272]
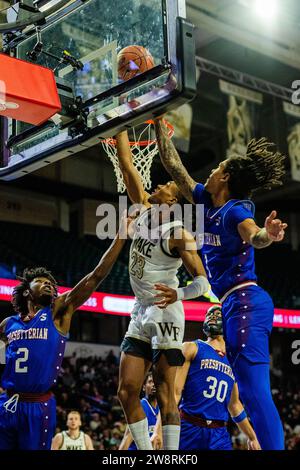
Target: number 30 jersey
[34,353]
[150,259]
[209,384]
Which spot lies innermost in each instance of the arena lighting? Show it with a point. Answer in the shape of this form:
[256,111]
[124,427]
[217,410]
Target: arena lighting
[122,305]
[266,9]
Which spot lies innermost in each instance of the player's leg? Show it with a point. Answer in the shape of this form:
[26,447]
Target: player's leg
[255,393]
[132,372]
[37,425]
[164,372]
[8,426]
[168,324]
[248,318]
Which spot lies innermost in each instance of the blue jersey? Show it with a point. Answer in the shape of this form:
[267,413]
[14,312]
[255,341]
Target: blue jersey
[151,415]
[34,353]
[209,384]
[227,259]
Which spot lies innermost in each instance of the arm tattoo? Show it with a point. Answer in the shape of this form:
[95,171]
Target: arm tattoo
[172,162]
[260,239]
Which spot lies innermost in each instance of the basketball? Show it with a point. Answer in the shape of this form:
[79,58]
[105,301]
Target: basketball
[133,60]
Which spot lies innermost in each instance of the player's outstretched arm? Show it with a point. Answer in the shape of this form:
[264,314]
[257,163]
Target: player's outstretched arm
[239,416]
[66,304]
[132,179]
[127,440]
[273,231]
[172,161]
[185,246]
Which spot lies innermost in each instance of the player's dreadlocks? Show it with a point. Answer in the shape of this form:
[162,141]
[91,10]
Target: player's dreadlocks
[19,302]
[260,168]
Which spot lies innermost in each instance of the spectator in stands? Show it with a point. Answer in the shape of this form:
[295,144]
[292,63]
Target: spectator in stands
[73,438]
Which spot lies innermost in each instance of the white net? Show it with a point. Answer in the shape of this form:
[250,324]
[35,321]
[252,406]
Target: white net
[143,149]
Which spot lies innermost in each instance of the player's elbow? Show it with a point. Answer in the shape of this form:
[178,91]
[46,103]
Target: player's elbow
[235,408]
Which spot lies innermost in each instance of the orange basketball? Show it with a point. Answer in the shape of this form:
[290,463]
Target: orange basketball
[133,60]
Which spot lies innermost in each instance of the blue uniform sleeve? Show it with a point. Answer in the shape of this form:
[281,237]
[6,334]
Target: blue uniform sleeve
[201,196]
[235,216]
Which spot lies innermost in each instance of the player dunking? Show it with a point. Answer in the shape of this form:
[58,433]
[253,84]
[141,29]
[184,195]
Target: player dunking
[155,334]
[73,438]
[208,392]
[230,237]
[36,338]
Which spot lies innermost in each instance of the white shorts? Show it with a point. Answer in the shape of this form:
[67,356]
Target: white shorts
[162,328]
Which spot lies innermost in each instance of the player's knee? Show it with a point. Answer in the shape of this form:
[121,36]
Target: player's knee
[128,392]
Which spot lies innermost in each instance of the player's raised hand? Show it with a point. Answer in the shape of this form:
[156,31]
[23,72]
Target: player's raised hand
[253,444]
[275,227]
[166,295]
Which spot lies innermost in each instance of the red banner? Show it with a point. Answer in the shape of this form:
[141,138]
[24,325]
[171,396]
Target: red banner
[122,305]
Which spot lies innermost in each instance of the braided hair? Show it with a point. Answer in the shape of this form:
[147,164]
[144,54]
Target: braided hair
[260,168]
[19,302]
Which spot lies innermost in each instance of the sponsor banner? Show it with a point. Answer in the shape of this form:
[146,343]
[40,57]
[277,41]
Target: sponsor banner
[110,304]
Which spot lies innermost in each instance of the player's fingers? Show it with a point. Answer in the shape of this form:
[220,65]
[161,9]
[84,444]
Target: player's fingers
[271,216]
[160,305]
[159,297]
[161,287]
[276,221]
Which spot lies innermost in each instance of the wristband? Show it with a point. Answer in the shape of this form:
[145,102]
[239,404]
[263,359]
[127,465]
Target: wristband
[198,287]
[240,417]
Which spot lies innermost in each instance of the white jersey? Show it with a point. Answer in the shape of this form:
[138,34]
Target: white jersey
[150,260]
[73,444]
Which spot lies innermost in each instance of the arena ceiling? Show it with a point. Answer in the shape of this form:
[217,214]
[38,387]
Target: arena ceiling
[229,33]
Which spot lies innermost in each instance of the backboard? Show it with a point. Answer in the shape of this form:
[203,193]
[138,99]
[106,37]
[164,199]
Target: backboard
[80,43]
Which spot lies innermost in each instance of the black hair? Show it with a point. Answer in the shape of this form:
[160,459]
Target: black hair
[260,168]
[19,302]
[149,374]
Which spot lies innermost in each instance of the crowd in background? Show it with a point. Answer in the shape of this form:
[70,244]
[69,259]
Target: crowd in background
[89,385]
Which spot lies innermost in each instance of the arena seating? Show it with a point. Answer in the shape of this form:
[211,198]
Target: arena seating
[89,385]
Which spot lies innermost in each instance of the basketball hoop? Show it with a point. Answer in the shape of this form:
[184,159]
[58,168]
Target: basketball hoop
[143,148]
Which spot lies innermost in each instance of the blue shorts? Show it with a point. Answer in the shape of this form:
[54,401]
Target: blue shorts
[247,323]
[200,438]
[30,427]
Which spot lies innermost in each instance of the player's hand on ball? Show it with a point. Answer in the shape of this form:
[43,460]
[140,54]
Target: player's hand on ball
[166,295]
[253,445]
[275,227]
[156,441]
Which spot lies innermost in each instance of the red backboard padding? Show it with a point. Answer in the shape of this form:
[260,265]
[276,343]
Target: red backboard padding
[28,91]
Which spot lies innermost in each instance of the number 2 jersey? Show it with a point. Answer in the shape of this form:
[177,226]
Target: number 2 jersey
[208,385]
[34,353]
[150,260]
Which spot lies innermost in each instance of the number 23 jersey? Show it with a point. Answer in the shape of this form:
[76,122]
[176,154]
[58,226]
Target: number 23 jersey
[150,260]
